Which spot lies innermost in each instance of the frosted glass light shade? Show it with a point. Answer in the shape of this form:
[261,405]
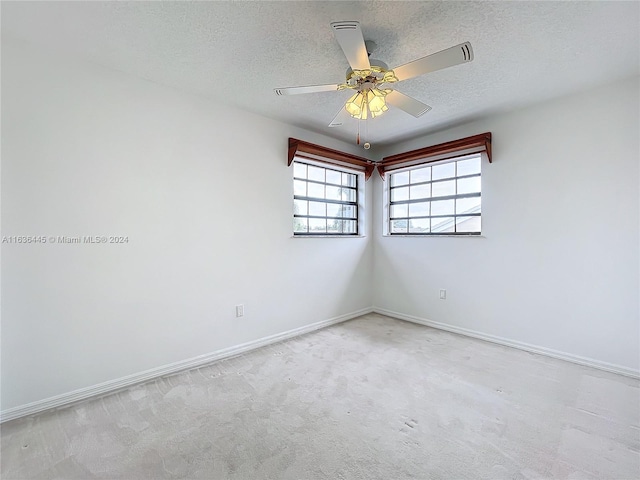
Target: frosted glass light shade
[367,103]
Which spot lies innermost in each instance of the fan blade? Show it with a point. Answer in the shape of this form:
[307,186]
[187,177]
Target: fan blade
[462,53]
[341,118]
[406,103]
[309,89]
[349,36]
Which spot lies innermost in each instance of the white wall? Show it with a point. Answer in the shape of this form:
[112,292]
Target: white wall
[204,195]
[558,264]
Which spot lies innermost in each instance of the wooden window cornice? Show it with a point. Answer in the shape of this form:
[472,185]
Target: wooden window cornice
[475,144]
[311,151]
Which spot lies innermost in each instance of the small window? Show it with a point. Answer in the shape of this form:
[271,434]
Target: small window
[436,199]
[325,200]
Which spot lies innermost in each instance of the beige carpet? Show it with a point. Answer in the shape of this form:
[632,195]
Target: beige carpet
[373,398]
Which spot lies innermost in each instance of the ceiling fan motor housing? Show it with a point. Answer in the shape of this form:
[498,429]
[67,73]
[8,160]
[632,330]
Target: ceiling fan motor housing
[379,64]
[369,79]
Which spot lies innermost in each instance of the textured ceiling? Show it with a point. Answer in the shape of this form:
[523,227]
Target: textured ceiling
[237,52]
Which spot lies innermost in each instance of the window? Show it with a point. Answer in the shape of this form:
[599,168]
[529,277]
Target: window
[328,189]
[436,199]
[436,190]
[325,200]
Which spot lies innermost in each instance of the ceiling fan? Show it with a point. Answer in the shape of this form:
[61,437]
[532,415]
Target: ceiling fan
[372,79]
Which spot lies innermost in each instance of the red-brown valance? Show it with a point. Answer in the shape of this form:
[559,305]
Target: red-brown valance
[443,151]
[311,151]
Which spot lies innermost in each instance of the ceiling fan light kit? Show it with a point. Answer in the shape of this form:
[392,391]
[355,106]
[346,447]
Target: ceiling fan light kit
[372,79]
[369,101]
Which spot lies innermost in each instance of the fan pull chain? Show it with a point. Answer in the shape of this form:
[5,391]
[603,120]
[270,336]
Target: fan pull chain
[366,122]
[366,132]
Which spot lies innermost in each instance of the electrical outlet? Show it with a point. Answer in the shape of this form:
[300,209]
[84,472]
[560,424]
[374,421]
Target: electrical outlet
[239,310]
[443,294]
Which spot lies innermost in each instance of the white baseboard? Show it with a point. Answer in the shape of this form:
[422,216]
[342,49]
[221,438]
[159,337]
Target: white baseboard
[110,386]
[589,362]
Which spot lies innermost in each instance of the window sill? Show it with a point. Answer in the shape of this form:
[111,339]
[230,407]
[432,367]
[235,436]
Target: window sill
[432,236]
[328,236]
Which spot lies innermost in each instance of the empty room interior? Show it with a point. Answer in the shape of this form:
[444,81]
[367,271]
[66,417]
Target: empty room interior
[320,240]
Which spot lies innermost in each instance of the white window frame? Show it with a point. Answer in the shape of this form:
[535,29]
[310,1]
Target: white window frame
[360,199]
[387,200]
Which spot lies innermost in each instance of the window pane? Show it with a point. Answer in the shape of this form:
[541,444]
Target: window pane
[337,210]
[468,224]
[334,209]
[446,170]
[400,194]
[299,170]
[442,225]
[469,185]
[468,167]
[468,205]
[399,226]
[334,177]
[317,225]
[443,207]
[419,225]
[315,173]
[300,225]
[442,189]
[349,179]
[334,193]
[343,194]
[318,209]
[349,226]
[300,188]
[316,190]
[334,226]
[401,178]
[300,207]
[420,191]
[421,175]
[348,211]
[348,195]
[419,209]
[398,210]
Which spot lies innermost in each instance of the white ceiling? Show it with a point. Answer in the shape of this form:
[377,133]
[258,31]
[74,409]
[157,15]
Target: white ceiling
[237,52]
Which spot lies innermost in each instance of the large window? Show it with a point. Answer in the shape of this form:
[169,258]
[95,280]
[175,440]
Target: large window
[439,199]
[325,200]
